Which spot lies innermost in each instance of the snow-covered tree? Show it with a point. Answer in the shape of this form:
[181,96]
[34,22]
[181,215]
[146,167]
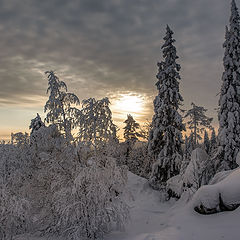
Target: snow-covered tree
[145,130]
[213,141]
[61,189]
[14,213]
[188,148]
[59,105]
[206,142]
[229,102]
[165,137]
[19,138]
[93,204]
[36,123]
[198,121]
[95,122]
[130,134]
[130,130]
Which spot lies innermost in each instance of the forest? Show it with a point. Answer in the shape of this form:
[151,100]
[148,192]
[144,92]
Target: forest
[69,178]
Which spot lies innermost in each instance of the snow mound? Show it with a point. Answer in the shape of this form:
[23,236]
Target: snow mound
[175,184]
[196,173]
[224,195]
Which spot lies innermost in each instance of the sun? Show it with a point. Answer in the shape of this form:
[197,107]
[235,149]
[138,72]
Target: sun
[129,103]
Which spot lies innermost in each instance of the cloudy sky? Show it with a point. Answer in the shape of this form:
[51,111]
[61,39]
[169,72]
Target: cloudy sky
[106,48]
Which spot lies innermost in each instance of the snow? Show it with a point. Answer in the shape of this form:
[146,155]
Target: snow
[228,189]
[155,220]
[146,210]
[152,219]
[176,184]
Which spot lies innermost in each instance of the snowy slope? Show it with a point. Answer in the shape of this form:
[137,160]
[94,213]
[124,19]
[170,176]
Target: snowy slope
[148,213]
[155,220]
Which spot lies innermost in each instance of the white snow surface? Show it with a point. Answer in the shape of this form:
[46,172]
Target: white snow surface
[152,219]
[146,209]
[228,188]
[155,220]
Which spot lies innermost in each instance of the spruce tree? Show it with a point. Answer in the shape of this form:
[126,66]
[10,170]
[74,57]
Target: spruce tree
[165,137]
[229,102]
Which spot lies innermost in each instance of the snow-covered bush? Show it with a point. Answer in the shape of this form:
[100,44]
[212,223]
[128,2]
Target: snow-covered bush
[139,161]
[47,139]
[73,190]
[14,214]
[199,171]
[92,205]
[19,138]
[14,205]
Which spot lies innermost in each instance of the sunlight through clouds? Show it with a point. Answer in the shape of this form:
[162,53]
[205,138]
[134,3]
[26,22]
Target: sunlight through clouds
[127,103]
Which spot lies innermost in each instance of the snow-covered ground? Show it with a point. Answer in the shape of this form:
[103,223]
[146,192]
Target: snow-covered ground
[152,219]
[155,220]
[146,210]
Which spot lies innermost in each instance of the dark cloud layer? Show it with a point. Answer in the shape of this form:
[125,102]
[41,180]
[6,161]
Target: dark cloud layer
[102,47]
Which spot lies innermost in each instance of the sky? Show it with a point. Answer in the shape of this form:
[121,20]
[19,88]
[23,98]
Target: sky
[107,48]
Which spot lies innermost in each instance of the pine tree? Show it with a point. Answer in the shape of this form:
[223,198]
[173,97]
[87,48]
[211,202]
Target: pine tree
[130,130]
[229,102]
[58,106]
[206,142]
[198,121]
[165,137]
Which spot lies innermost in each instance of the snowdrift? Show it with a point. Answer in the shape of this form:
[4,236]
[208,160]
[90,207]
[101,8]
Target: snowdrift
[221,196]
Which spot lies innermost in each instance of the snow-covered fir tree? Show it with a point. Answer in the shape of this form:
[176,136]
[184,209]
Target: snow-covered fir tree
[198,121]
[206,142]
[165,137]
[130,130]
[95,122]
[229,102]
[213,141]
[36,123]
[59,105]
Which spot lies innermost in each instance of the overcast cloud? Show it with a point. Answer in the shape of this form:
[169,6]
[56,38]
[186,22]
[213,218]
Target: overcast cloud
[103,47]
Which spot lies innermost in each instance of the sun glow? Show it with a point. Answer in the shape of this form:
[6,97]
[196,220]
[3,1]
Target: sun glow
[128,103]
